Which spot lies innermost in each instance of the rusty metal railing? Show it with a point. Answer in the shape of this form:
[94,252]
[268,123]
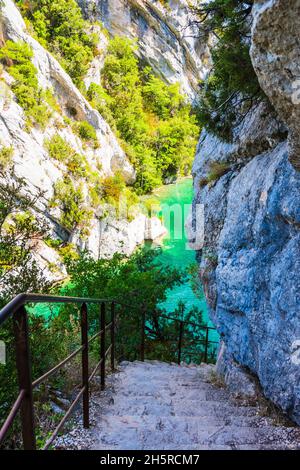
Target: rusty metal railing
[24,402]
[206,341]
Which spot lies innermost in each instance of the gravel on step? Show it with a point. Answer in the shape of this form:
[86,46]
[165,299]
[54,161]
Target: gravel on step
[159,406]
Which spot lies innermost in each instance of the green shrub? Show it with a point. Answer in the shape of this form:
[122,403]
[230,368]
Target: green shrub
[61,151]
[6,154]
[58,148]
[145,280]
[161,99]
[70,200]
[17,58]
[60,27]
[155,126]
[101,101]
[87,132]
[216,171]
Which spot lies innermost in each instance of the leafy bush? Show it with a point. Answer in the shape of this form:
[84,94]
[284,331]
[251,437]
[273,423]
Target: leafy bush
[70,200]
[87,132]
[6,154]
[101,101]
[232,87]
[159,98]
[145,281]
[216,171]
[61,151]
[16,56]
[60,27]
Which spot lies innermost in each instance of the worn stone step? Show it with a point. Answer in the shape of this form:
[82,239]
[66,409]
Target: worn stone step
[156,406]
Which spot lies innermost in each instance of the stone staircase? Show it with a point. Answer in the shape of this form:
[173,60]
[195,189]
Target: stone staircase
[159,406]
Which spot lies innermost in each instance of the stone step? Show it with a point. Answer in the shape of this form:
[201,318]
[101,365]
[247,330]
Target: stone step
[155,406]
[172,432]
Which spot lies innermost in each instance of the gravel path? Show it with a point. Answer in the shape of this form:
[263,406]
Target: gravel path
[159,406]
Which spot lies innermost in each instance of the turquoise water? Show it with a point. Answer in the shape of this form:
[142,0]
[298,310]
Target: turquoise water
[175,250]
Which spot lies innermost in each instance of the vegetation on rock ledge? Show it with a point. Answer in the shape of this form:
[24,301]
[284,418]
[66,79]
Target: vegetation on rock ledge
[60,27]
[155,124]
[16,56]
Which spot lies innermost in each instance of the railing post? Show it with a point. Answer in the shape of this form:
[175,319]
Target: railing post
[102,345]
[206,346]
[143,322]
[112,337]
[180,341]
[23,361]
[85,365]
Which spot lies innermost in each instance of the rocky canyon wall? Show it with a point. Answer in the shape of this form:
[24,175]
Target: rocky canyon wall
[33,163]
[168,38]
[250,257]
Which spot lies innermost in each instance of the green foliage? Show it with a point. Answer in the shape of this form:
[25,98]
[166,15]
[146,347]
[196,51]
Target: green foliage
[17,58]
[155,125]
[216,171]
[70,200]
[121,198]
[87,132]
[232,87]
[60,27]
[6,154]
[145,281]
[61,151]
[18,226]
[101,101]
[159,98]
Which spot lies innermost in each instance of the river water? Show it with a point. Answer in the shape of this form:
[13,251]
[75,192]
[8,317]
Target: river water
[175,250]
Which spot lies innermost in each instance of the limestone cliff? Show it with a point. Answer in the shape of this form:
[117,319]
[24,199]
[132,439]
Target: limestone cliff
[167,36]
[33,163]
[250,256]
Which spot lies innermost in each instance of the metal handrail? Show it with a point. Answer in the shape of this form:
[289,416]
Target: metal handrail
[23,299]
[24,402]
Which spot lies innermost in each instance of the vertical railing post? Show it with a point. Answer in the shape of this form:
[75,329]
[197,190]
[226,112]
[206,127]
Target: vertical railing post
[206,346]
[85,365]
[143,322]
[102,345]
[23,361]
[180,341]
[112,337]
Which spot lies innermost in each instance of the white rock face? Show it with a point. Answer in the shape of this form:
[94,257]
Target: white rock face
[275,56]
[122,235]
[167,36]
[33,163]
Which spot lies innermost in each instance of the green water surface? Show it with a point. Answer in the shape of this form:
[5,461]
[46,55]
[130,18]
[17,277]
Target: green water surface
[175,249]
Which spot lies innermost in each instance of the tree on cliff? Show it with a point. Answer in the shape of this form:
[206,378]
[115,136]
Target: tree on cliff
[231,89]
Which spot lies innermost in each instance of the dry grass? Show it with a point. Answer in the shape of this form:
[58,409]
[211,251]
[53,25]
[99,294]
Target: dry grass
[216,171]
[217,380]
